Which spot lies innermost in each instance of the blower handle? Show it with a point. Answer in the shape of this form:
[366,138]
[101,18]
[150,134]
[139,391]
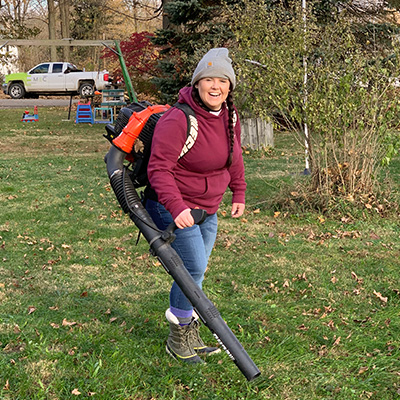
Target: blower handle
[199,217]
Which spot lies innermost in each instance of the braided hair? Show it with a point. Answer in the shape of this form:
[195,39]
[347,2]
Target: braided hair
[231,127]
[231,119]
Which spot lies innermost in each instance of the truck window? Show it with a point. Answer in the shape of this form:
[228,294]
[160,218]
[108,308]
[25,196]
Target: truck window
[40,69]
[57,68]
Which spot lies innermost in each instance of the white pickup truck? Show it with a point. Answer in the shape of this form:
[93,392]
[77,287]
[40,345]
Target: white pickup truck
[55,78]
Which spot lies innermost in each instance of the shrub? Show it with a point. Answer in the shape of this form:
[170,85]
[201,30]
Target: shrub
[320,78]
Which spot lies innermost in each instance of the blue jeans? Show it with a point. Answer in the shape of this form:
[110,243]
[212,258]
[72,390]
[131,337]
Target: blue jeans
[193,245]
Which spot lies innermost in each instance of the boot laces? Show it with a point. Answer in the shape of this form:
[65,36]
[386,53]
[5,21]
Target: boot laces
[186,336]
[195,334]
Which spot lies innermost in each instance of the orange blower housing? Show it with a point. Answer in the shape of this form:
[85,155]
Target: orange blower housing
[126,139]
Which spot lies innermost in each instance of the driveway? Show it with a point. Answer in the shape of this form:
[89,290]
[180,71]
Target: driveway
[30,103]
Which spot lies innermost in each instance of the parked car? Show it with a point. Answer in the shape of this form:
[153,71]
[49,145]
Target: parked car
[55,78]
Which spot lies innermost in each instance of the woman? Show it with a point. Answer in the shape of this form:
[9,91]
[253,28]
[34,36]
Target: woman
[197,180]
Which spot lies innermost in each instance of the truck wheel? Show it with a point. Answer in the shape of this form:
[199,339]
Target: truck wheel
[16,90]
[86,89]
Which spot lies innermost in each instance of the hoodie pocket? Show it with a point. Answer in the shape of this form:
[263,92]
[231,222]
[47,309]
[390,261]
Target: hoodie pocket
[193,186]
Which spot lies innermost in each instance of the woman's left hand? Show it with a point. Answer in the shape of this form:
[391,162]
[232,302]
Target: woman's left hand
[237,210]
[184,219]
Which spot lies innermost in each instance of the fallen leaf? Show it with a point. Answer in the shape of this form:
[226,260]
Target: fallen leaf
[31,309]
[55,326]
[302,327]
[337,341]
[380,297]
[331,325]
[67,323]
[362,370]
[374,236]
[76,392]
[6,386]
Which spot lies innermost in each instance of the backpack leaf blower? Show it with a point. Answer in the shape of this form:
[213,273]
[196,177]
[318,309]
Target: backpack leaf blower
[160,246]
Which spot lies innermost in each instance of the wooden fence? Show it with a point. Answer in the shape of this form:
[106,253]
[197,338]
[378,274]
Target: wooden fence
[257,133]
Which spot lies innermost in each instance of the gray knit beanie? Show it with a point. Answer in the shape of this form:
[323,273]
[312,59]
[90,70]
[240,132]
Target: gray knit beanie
[215,64]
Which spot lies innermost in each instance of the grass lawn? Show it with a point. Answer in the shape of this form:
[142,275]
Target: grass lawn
[314,301]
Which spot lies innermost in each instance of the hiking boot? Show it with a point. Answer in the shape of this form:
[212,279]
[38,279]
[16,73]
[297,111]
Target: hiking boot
[179,341]
[197,343]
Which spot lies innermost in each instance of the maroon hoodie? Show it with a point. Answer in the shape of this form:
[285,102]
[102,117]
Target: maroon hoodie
[200,178]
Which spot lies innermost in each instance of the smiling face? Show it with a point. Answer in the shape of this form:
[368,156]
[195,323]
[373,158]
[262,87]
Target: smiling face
[213,91]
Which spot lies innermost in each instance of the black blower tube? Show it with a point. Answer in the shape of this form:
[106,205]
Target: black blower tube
[161,248]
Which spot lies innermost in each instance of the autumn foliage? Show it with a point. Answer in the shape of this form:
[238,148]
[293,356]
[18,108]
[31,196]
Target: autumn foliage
[140,56]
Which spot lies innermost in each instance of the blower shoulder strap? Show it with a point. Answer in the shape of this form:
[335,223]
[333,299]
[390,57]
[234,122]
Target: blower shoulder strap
[192,127]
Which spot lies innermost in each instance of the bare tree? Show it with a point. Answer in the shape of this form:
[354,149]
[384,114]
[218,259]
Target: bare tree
[16,23]
[144,14]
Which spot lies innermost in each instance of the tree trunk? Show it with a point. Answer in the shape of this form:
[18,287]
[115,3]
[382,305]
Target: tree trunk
[65,33]
[166,24]
[52,28]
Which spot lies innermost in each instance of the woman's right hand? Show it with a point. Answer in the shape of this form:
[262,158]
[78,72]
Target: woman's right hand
[184,219]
